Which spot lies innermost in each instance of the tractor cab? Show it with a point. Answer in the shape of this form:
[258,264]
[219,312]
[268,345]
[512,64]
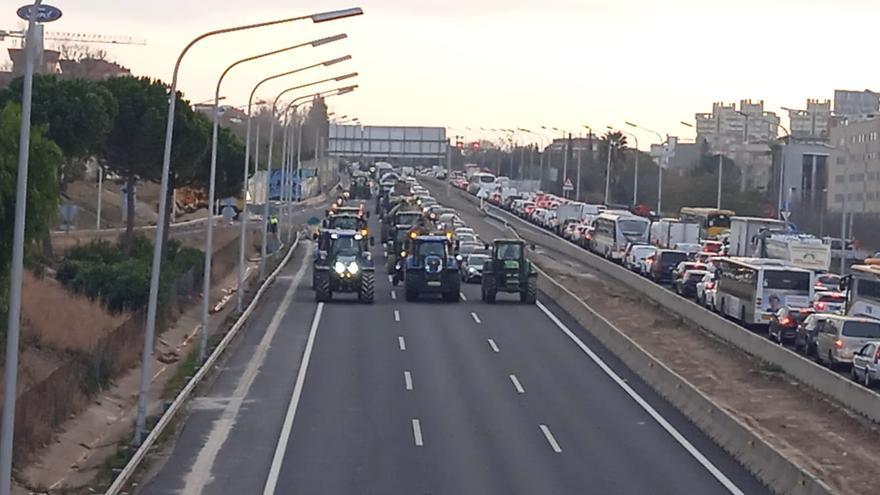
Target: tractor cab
[343,264]
[508,270]
[430,266]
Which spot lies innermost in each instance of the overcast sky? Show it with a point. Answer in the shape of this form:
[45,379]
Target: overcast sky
[512,63]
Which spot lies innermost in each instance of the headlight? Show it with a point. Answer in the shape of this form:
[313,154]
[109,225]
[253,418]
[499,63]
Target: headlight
[403,254]
[352,268]
[339,268]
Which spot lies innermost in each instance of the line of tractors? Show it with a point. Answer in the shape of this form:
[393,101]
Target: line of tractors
[421,252]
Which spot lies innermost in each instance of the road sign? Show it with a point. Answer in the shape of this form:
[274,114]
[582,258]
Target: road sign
[45,13]
[568,186]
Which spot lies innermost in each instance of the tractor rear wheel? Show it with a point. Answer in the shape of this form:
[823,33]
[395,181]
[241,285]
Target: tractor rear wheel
[322,287]
[367,289]
[490,289]
[530,294]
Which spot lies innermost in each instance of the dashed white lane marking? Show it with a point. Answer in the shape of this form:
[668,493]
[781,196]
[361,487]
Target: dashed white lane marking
[394,295]
[463,297]
[517,385]
[417,432]
[552,441]
[696,454]
[396,315]
[407,377]
[401,343]
[390,279]
[493,345]
[476,318]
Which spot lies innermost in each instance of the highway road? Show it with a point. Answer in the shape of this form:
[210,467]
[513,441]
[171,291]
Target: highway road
[431,398]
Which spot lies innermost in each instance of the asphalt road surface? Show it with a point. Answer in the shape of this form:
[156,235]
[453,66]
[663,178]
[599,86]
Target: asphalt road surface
[431,398]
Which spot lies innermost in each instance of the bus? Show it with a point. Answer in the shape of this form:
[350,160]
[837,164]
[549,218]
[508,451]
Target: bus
[752,290]
[863,291]
[713,222]
[481,181]
[613,231]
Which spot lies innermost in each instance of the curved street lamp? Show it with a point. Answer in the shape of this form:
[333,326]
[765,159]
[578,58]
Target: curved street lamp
[150,330]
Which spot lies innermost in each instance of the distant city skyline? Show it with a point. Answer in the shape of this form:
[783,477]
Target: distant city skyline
[559,63]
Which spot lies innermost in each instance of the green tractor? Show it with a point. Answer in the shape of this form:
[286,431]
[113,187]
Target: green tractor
[360,187]
[508,270]
[343,264]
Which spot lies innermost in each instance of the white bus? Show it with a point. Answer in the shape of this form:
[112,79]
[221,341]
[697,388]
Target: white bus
[751,290]
[863,291]
[614,230]
[481,181]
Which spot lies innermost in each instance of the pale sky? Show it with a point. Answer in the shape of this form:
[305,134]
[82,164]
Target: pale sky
[513,63]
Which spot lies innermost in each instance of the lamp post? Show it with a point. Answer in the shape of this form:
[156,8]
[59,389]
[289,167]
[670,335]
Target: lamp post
[782,169]
[247,150]
[293,106]
[10,378]
[636,173]
[153,299]
[659,165]
[273,119]
[209,235]
[608,170]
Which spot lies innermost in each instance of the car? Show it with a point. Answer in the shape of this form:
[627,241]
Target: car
[635,253]
[829,302]
[471,267]
[663,263]
[464,238]
[683,267]
[827,282]
[842,336]
[705,293]
[866,364]
[467,248]
[807,331]
[686,285]
[464,230]
[690,248]
[784,323]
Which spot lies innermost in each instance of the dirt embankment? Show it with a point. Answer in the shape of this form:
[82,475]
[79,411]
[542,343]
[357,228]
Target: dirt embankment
[840,448]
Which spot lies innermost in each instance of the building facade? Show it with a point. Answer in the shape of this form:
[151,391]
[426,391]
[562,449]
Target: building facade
[854,171]
[812,123]
[850,103]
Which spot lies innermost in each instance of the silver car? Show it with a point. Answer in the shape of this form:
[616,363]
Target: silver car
[706,291]
[841,337]
[866,364]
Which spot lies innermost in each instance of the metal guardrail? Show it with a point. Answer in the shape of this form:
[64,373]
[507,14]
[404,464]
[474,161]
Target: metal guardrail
[166,418]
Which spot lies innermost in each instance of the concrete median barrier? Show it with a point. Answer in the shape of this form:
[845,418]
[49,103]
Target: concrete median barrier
[850,394]
[767,464]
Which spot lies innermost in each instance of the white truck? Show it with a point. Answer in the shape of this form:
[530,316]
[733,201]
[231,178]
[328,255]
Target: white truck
[801,250]
[667,233]
[744,232]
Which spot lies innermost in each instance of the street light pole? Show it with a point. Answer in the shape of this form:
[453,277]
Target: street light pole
[10,378]
[636,173]
[659,165]
[152,303]
[273,119]
[608,172]
[209,234]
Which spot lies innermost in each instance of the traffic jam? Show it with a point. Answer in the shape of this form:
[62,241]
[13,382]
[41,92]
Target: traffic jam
[759,272]
[427,248]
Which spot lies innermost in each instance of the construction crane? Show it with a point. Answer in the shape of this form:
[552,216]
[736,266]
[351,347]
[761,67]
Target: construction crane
[75,37]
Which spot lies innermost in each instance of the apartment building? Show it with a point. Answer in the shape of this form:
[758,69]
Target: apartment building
[854,170]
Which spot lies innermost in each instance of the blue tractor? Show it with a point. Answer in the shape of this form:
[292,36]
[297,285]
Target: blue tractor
[430,267]
[343,264]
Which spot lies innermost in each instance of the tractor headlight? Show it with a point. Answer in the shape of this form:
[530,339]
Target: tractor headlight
[353,268]
[472,269]
[339,268]
[403,254]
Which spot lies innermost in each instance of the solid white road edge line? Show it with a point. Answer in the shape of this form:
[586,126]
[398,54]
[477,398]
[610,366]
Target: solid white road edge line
[696,454]
[200,473]
[407,377]
[493,345]
[552,441]
[394,295]
[517,385]
[396,315]
[390,278]
[401,343]
[284,438]
[476,318]
[417,432]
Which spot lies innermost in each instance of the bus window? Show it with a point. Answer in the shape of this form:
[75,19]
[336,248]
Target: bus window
[787,280]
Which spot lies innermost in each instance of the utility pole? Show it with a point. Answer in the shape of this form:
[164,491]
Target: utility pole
[578,187]
[100,194]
